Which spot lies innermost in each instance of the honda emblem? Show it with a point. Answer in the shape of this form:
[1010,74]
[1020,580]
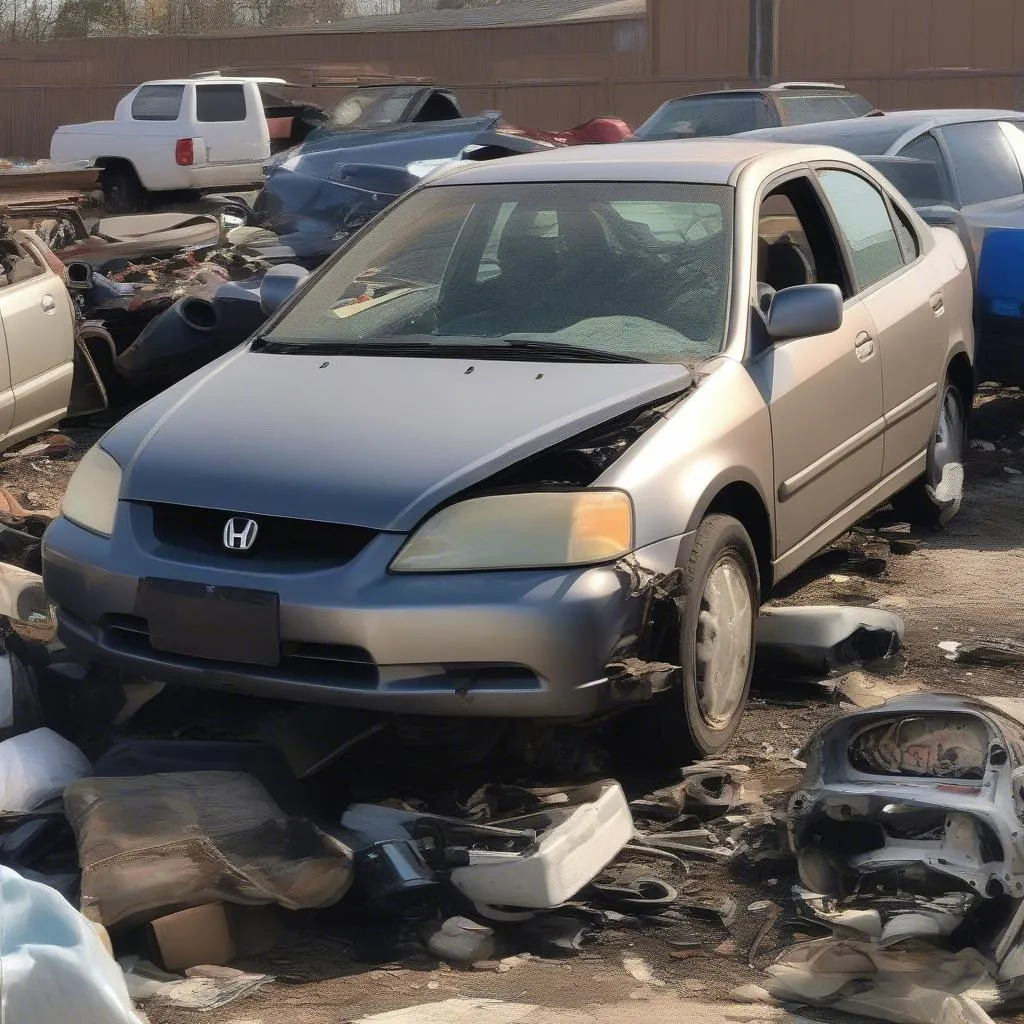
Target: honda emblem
[240,534]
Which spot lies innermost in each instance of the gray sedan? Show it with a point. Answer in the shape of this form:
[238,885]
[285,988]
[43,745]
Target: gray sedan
[535,443]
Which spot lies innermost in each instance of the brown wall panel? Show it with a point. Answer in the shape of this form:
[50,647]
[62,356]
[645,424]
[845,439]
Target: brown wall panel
[557,75]
[694,37]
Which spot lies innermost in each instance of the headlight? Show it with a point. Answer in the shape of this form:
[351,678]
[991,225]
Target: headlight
[544,529]
[91,497]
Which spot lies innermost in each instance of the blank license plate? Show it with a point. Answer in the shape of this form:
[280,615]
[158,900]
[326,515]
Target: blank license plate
[217,623]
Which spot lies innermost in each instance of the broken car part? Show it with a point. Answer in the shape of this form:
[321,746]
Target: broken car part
[534,862]
[921,786]
[822,641]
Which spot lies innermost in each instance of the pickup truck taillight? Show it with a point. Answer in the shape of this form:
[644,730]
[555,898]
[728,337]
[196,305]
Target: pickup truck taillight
[184,154]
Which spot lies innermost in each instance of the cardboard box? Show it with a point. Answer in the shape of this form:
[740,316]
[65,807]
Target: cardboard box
[214,934]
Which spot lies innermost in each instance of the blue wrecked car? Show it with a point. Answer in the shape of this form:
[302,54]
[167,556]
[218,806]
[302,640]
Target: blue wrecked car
[962,169]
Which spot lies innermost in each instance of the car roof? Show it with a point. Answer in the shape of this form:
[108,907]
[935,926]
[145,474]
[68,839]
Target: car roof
[709,161]
[889,128]
[217,80]
[817,88]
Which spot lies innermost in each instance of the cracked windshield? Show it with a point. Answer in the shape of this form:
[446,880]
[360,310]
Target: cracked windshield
[618,271]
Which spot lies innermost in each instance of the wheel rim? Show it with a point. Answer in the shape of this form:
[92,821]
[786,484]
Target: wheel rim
[948,444]
[724,627]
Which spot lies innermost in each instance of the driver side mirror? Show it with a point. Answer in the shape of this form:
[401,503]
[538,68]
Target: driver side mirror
[278,284]
[805,312]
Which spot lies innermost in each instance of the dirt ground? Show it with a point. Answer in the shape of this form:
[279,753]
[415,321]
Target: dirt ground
[962,583]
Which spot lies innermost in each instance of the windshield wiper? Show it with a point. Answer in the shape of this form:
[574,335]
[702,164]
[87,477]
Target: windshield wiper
[497,348]
[572,353]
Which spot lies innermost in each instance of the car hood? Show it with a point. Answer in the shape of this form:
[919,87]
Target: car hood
[372,441]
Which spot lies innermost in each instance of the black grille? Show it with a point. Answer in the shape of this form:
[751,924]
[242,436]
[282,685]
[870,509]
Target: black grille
[201,531]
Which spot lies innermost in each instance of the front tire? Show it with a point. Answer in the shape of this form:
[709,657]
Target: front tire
[717,618]
[920,503]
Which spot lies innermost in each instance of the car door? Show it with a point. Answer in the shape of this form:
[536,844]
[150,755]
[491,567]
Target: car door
[235,132]
[38,326]
[902,292]
[824,393]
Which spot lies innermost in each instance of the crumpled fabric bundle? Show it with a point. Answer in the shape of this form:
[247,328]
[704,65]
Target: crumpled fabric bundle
[153,844]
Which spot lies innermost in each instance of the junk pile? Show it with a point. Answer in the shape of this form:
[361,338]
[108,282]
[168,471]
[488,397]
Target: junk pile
[193,837]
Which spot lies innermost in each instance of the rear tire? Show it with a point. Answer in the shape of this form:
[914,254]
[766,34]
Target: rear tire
[946,447]
[699,717]
[122,191]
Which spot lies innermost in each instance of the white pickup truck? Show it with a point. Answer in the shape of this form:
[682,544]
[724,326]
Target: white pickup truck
[200,133]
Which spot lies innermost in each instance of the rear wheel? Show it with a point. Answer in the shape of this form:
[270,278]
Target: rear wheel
[122,190]
[717,619]
[924,502]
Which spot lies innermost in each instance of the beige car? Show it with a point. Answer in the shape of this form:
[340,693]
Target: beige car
[536,443]
[45,374]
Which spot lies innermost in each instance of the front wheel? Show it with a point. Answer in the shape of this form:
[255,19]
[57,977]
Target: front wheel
[933,499]
[717,620]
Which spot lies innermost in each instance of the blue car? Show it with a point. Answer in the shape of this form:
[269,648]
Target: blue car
[961,169]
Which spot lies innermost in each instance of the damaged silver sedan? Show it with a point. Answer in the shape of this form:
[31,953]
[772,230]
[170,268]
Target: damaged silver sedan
[536,443]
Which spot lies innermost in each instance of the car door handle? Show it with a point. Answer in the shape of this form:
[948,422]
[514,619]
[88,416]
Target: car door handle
[864,347]
[48,304]
[937,303]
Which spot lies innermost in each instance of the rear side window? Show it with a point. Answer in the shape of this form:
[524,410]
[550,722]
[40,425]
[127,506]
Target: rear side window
[863,218]
[812,109]
[220,103]
[158,103]
[700,116]
[983,159]
[924,182]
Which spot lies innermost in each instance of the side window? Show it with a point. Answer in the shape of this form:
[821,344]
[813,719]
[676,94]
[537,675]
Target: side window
[983,160]
[924,182]
[16,265]
[795,243]
[158,103]
[812,109]
[220,103]
[863,218]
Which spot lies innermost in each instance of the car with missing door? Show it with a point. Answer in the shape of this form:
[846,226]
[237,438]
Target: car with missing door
[534,443]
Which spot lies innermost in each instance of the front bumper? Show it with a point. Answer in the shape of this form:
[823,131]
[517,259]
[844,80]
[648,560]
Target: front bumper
[491,644]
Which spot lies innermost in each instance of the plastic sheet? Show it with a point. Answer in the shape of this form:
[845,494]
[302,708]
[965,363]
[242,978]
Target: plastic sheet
[54,964]
[151,845]
[35,767]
